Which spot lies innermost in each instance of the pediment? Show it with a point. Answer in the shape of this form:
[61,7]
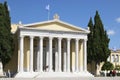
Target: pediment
[55,25]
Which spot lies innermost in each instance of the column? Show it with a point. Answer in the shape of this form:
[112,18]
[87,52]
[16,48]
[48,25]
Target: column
[76,55]
[31,53]
[65,52]
[50,54]
[21,64]
[85,54]
[68,55]
[41,53]
[59,51]
[56,56]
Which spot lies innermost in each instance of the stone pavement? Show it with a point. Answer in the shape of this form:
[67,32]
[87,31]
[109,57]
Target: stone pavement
[67,78]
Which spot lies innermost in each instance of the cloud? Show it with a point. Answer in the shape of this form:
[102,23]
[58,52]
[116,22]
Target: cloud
[118,19]
[110,32]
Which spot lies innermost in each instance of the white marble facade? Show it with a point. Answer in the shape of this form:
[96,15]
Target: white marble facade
[52,53]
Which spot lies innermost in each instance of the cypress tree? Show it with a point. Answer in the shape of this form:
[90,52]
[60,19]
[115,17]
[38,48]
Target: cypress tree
[100,41]
[89,42]
[6,38]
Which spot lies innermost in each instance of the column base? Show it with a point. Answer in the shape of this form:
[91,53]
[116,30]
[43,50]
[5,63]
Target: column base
[50,71]
[31,71]
[52,74]
[68,70]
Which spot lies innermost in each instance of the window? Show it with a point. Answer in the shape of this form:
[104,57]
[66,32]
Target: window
[117,58]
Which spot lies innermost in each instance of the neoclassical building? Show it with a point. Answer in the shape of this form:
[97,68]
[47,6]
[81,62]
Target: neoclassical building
[50,48]
[114,57]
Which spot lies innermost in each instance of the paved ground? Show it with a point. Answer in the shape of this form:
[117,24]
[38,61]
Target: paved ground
[87,78]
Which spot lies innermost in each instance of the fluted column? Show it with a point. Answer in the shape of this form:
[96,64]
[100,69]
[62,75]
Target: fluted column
[21,64]
[41,53]
[76,55]
[50,54]
[59,51]
[68,55]
[85,54]
[31,53]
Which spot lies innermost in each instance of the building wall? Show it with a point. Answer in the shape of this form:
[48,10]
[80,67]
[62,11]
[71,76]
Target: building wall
[26,53]
[114,57]
[14,62]
[81,54]
[73,55]
[14,27]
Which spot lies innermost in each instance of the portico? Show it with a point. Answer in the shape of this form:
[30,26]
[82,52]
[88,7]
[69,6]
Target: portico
[52,47]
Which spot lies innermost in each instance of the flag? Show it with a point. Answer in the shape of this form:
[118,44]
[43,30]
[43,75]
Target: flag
[48,7]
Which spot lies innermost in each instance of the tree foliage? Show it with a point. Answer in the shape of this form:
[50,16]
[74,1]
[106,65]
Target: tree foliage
[6,38]
[107,66]
[90,40]
[117,67]
[98,41]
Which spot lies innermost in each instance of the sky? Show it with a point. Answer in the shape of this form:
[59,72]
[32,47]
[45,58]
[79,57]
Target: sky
[76,12]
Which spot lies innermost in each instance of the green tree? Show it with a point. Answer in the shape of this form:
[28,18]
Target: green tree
[98,44]
[89,42]
[117,67]
[6,38]
[100,41]
[107,66]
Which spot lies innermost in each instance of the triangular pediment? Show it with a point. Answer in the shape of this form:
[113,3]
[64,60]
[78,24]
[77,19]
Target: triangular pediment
[55,25]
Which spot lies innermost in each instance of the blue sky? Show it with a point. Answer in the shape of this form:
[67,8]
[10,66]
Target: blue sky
[76,12]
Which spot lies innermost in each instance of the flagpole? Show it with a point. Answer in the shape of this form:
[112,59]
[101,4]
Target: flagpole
[48,10]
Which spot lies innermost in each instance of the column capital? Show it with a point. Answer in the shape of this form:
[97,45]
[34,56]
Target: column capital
[21,36]
[50,38]
[59,38]
[31,37]
[68,39]
[77,39]
[85,39]
[41,37]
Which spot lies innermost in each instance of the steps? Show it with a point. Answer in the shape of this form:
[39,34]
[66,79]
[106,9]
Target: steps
[52,74]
